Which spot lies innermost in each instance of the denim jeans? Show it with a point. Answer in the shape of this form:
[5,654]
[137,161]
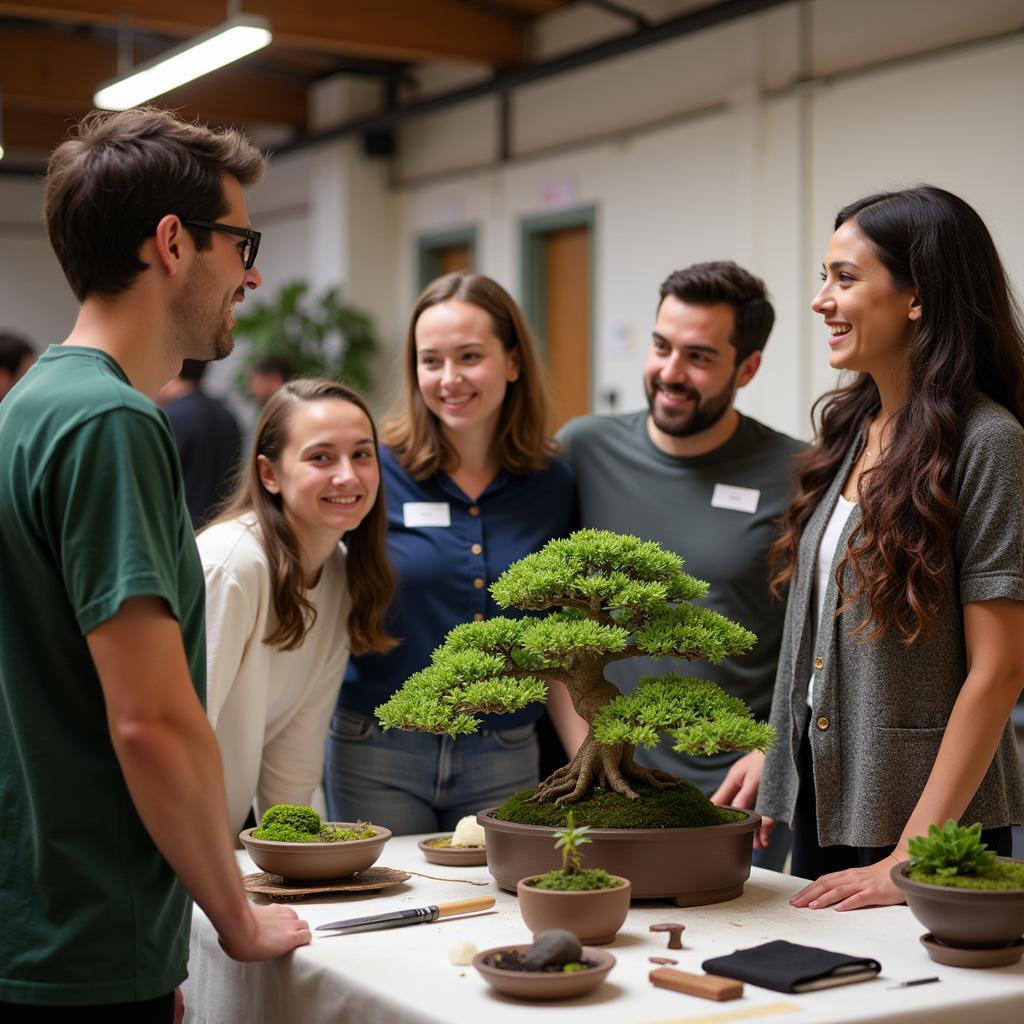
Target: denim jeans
[420,782]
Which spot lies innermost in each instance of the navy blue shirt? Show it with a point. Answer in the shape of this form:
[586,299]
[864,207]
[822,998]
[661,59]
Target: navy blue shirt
[446,551]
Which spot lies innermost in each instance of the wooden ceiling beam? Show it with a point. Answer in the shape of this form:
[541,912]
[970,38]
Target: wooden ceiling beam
[58,72]
[399,30]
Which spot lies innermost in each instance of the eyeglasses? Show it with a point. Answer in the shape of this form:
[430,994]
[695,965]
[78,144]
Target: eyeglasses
[248,248]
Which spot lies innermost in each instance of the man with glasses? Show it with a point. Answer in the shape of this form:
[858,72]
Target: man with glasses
[109,772]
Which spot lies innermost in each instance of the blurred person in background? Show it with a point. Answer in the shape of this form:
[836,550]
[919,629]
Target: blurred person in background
[209,441]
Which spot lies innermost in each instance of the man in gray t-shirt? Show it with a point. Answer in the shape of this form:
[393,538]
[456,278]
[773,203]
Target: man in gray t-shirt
[696,476]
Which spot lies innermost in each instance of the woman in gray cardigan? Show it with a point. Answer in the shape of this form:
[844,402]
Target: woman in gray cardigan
[903,550]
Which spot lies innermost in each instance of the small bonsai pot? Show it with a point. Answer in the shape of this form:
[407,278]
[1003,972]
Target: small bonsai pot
[436,851]
[531,985]
[968,919]
[316,862]
[595,915]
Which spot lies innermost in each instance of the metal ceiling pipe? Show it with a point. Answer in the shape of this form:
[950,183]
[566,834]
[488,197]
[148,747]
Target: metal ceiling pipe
[506,80]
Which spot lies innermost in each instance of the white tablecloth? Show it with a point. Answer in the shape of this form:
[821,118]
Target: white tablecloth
[403,974]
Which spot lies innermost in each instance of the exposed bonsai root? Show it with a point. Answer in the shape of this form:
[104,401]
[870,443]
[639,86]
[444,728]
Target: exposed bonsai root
[598,765]
[653,777]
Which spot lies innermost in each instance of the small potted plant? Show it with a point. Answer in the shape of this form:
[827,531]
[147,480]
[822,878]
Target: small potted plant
[970,900]
[590,901]
[292,841]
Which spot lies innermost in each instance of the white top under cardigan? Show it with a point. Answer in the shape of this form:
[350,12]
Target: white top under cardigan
[824,568]
[269,708]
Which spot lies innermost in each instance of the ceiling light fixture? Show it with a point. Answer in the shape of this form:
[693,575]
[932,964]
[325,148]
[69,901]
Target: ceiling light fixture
[237,37]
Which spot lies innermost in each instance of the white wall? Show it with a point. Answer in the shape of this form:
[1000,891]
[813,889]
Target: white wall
[35,300]
[705,147]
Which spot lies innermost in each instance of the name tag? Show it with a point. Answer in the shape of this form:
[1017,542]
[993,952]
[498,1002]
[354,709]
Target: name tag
[427,513]
[739,499]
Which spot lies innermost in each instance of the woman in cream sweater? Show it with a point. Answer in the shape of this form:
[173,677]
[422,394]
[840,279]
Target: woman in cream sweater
[286,600]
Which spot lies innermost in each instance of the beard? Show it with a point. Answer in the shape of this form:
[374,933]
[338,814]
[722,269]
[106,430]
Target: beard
[703,414]
[201,318]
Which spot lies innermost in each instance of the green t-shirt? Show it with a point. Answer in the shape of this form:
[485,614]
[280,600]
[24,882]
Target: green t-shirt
[717,512]
[92,513]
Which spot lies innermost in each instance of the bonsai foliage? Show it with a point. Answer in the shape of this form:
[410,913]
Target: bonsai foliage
[572,876]
[951,850]
[324,337]
[609,597]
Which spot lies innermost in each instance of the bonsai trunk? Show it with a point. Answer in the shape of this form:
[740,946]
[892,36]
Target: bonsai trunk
[596,763]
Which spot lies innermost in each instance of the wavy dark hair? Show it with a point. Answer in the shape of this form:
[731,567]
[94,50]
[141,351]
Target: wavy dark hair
[968,337]
[522,439]
[371,581]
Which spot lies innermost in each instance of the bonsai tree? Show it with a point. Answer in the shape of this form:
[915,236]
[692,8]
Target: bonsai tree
[609,597]
[323,337]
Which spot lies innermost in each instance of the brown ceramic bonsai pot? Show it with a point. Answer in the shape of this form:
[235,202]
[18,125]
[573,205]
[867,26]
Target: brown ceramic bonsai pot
[965,918]
[316,862]
[530,985]
[595,915]
[693,866]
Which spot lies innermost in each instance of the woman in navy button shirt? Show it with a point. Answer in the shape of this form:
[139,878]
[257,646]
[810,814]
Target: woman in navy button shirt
[471,487]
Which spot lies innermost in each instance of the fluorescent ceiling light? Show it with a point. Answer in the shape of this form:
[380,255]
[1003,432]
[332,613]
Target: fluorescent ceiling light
[237,37]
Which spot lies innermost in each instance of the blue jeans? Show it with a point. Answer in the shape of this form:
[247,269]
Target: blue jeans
[420,782]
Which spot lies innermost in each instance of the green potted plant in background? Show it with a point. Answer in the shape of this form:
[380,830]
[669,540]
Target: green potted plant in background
[970,900]
[320,337]
[609,597]
[587,901]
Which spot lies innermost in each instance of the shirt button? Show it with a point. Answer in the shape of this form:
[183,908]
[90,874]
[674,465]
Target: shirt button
[478,583]
[819,662]
[474,510]
[822,723]
[477,549]
[478,617]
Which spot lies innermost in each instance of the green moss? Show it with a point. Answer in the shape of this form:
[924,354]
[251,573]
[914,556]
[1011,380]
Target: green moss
[296,816]
[573,967]
[1001,875]
[280,833]
[293,823]
[583,880]
[363,830]
[682,806]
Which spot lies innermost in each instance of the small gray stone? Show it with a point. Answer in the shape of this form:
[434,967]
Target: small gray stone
[555,946]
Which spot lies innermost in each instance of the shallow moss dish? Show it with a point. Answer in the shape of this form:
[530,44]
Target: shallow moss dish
[439,850]
[316,861]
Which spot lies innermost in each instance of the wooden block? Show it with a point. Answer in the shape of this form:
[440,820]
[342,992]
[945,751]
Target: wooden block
[707,986]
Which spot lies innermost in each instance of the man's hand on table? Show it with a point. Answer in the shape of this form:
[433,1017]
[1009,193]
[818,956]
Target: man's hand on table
[852,889]
[276,930]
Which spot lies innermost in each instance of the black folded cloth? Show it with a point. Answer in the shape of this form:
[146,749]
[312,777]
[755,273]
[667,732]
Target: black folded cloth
[788,967]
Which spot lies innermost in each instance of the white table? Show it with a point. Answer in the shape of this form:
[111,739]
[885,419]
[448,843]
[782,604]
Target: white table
[403,974]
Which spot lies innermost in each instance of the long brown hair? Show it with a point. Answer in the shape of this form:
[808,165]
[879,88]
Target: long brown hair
[371,581]
[522,440]
[968,337]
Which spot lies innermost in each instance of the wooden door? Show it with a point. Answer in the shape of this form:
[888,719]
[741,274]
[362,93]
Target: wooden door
[454,257]
[567,289]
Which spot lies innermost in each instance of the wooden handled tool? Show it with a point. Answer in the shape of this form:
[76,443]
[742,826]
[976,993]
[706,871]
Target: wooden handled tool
[399,918]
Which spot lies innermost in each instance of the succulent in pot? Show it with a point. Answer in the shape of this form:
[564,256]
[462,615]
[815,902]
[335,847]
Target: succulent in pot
[968,898]
[590,901]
